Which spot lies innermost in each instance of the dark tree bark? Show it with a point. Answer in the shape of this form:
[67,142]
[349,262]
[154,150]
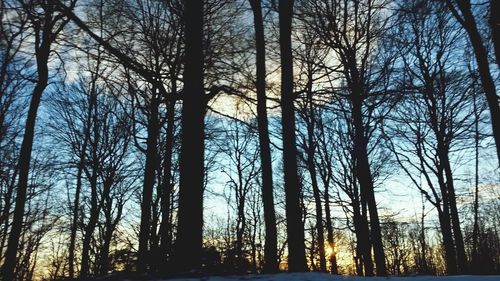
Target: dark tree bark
[94,202]
[295,227]
[446,225]
[153,130]
[74,221]
[310,147]
[187,253]
[110,222]
[325,172]
[457,232]
[271,243]
[449,250]
[495,27]
[25,158]
[329,233]
[366,182]
[468,22]
[362,232]
[76,201]
[80,168]
[166,224]
[475,231]
[45,32]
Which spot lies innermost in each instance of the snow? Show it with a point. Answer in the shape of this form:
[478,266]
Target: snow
[315,276]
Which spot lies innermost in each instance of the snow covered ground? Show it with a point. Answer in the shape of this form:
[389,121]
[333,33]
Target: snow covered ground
[314,276]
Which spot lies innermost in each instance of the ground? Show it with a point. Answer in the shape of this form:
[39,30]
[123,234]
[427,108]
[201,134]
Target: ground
[314,276]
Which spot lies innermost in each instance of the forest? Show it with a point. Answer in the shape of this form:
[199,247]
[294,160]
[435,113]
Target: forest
[164,138]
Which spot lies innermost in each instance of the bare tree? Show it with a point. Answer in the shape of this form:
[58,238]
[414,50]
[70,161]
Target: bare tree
[438,126]
[295,227]
[46,24]
[271,243]
[187,253]
[462,11]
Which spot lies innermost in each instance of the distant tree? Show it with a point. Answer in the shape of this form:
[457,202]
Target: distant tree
[238,144]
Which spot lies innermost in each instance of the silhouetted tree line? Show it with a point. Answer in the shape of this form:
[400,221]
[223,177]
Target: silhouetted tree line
[166,138]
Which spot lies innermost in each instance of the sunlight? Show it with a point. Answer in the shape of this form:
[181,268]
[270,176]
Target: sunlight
[328,251]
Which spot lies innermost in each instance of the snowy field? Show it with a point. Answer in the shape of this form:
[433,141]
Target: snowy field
[314,276]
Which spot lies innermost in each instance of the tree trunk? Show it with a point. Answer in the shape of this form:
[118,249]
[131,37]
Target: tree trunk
[271,242]
[495,27]
[80,169]
[311,150]
[449,250]
[10,259]
[240,231]
[188,248]
[295,227]
[143,255]
[423,243]
[470,26]
[475,231]
[76,206]
[445,225]
[94,204]
[329,233]
[110,225]
[362,232]
[319,216]
[104,253]
[457,232]
[165,226]
[366,185]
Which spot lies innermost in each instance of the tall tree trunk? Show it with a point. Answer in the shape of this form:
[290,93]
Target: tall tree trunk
[109,227]
[240,231]
[445,225]
[329,233]
[143,255]
[76,201]
[90,227]
[271,242]
[311,151]
[366,184]
[495,27]
[475,231]
[449,250]
[423,244]
[42,57]
[74,223]
[319,216]
[363,247]
[312,250]
[469,23]
[94,204]
[104,252]
[362,229]
[187,255]
[457,232]
[295,227]
[80,169]
[165,226]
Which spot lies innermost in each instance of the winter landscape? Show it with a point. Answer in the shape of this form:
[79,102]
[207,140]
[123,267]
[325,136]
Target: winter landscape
[266,140]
